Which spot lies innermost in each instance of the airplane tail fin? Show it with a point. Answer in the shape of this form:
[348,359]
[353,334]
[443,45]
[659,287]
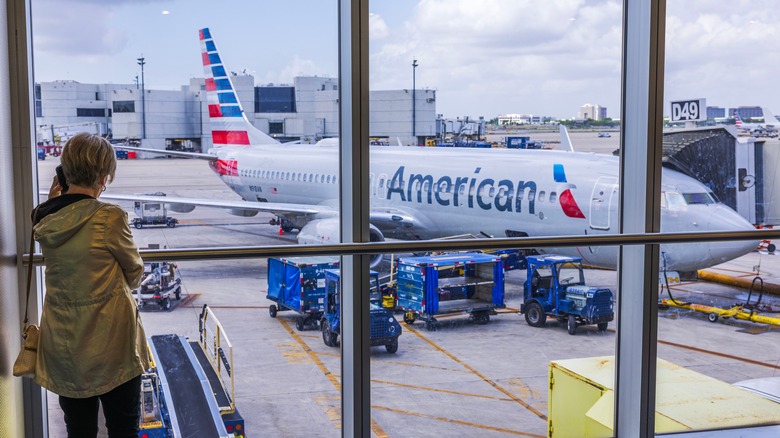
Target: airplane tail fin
[770,121]
[565,140]
[229,125]
[737,120]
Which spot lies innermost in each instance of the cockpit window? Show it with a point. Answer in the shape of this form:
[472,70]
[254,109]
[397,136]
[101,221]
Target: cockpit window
[674,200]
[698,198]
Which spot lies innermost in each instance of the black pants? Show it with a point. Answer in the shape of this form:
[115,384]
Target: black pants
[121,407]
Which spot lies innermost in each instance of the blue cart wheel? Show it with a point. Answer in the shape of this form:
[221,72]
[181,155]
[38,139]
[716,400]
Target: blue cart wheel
[392,347]
[272,311]
[299,324]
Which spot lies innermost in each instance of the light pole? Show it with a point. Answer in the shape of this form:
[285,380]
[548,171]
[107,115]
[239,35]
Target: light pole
[414,100]
[141,62]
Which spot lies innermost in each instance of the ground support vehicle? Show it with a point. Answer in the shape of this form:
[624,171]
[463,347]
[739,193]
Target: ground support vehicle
[160,284]
[448,284]
[189,391]
[555,286]
[298,284]
[748,311]
[384,329]
[152,213]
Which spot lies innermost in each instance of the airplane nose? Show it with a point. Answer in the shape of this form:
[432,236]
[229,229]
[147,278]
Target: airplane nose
[726,219]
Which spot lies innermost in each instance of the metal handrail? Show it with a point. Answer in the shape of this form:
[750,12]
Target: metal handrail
[263,251]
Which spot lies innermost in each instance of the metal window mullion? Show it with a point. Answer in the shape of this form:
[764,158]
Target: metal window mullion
[641,140]
[353,210]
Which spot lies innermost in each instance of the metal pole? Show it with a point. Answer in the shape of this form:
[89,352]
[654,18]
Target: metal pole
[141,62]
[414,100]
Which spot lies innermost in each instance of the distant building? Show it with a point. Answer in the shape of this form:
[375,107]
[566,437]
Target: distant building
[514,119]
[590,111]
[308,110]
[747,112]
[715,112]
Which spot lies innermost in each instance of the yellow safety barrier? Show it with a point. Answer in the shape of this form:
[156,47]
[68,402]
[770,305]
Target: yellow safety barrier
[714,313]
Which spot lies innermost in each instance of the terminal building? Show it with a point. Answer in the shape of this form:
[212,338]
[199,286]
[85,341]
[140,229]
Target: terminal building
[306,111]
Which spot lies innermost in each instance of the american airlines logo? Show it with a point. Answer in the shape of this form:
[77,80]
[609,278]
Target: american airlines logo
[568,204]
[484,193]
[464,190]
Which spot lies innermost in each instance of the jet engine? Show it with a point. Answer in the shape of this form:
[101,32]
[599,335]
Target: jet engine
[242,212]
[180,208]
[327,231]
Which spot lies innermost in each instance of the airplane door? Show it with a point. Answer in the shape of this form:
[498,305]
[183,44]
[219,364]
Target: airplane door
[381,186]
[601,202]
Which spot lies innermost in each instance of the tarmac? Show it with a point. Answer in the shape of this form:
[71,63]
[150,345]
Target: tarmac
[462,380]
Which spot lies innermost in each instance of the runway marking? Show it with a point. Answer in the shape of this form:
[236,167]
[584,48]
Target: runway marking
[378,431]
[478,374]
[723,355]
[453,421]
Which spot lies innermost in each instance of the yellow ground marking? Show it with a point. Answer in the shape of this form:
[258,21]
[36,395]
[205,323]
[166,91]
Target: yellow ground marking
[445,391]
[406,364]
[292,353]
[453,421]
[378,431]
[477,373]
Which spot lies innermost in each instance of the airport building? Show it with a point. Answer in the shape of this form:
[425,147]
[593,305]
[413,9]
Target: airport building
[591,111]
[307,110]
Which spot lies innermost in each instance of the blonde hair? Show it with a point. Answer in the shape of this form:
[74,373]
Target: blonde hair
[86,158]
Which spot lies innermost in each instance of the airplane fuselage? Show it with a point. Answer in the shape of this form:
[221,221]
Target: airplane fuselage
[427,193]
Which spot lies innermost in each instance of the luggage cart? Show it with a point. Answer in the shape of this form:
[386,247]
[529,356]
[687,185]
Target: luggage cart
[298,284]
[434,286]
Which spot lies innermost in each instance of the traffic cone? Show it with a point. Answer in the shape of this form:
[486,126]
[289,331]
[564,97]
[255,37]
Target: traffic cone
[281,231]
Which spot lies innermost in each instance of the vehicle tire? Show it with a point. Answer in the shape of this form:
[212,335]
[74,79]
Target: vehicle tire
[177,293]
[771,247]
[409,318]
[166,304]
[299,324]
[171,224]
[392,347]
[534,315]
[712,317]
[272,310]
[328,336]
[482,318]
[603,326]
[571,324]
[138,224]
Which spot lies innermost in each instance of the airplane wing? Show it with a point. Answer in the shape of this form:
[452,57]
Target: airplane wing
[208,157]
[269,207]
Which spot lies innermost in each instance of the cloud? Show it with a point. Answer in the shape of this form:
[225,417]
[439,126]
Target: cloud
[377,28]
[297,67]
[509,56]
[76,28]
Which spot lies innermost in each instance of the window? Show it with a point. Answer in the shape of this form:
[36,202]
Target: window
[124,106]
[274,99]
[90,112]
[276,127]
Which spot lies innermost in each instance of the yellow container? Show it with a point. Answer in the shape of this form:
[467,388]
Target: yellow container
[581,400]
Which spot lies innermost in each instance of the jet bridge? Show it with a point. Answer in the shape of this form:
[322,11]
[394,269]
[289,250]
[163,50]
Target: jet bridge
[741,171]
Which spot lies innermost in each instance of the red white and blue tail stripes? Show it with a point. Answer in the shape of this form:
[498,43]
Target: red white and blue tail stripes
[229,125]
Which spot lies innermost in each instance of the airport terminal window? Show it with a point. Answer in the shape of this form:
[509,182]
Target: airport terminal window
[124,106]
[90,112]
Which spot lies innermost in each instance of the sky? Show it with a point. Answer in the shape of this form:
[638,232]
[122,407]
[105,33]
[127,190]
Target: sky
[483,58]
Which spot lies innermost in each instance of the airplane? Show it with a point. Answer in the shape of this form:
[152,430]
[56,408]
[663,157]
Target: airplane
[429,193]
[770,124]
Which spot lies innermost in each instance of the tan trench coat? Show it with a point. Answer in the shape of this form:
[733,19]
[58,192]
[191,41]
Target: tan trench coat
[91,337]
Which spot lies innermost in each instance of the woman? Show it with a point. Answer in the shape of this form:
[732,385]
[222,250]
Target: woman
[92,347]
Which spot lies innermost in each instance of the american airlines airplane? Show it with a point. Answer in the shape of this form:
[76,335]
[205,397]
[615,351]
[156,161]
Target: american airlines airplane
[770,124]
[428,193]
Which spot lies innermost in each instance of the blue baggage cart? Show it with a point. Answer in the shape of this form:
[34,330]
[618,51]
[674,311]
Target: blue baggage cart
[384,329]
[298,284]
[447,284]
